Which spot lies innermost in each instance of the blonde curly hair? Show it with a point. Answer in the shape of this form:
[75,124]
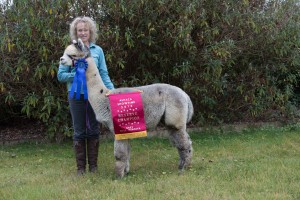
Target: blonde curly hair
[91,24]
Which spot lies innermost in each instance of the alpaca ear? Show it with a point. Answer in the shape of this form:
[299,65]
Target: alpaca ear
[76,44]
[80,45]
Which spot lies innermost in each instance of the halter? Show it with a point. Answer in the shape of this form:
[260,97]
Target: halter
[75,59]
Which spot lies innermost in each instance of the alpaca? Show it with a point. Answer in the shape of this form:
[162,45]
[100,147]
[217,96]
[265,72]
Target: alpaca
[162,103]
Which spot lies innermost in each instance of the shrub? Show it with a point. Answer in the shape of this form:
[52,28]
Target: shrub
[236,59]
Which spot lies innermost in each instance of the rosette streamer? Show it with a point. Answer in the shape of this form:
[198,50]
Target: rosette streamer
[80,79]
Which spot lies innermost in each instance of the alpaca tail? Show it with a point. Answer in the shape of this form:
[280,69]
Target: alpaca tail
[190,110]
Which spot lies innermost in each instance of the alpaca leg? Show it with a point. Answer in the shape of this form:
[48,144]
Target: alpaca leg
[182,141]
[127,167]
[122,157]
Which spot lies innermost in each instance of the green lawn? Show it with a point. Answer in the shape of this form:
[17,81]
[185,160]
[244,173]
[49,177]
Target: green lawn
[261,163]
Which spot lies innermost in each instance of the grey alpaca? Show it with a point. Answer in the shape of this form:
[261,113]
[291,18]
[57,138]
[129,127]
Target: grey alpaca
[162,103]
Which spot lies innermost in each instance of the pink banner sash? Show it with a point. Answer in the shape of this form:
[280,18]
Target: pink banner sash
[128,115]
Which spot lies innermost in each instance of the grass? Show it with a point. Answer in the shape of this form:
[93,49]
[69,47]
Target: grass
[261,163]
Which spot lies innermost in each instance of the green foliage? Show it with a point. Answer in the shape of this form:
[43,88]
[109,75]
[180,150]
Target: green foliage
[236,59]
[32,39]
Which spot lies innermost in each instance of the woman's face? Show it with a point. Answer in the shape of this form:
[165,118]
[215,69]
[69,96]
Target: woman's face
[83,32]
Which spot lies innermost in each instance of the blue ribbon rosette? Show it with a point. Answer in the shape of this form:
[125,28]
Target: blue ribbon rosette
[80,79]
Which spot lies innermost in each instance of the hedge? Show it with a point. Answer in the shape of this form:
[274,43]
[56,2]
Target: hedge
[238,60]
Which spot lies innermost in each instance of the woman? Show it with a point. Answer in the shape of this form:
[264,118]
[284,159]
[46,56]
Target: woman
[86,128]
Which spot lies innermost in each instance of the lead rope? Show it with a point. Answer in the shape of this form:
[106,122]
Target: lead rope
[87,121]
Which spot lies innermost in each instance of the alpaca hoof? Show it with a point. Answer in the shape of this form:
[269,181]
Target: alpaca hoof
[126,170]
[80,172]
[181,165]
[180,172]
[120,175]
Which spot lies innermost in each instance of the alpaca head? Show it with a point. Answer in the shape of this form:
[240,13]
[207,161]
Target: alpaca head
[73,52]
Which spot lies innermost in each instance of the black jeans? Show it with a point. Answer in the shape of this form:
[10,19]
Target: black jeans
[84,120]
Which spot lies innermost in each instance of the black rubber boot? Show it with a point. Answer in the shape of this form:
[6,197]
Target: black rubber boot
[80,153]
[92,151]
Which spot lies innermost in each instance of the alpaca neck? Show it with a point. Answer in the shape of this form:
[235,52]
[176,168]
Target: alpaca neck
[95,84]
